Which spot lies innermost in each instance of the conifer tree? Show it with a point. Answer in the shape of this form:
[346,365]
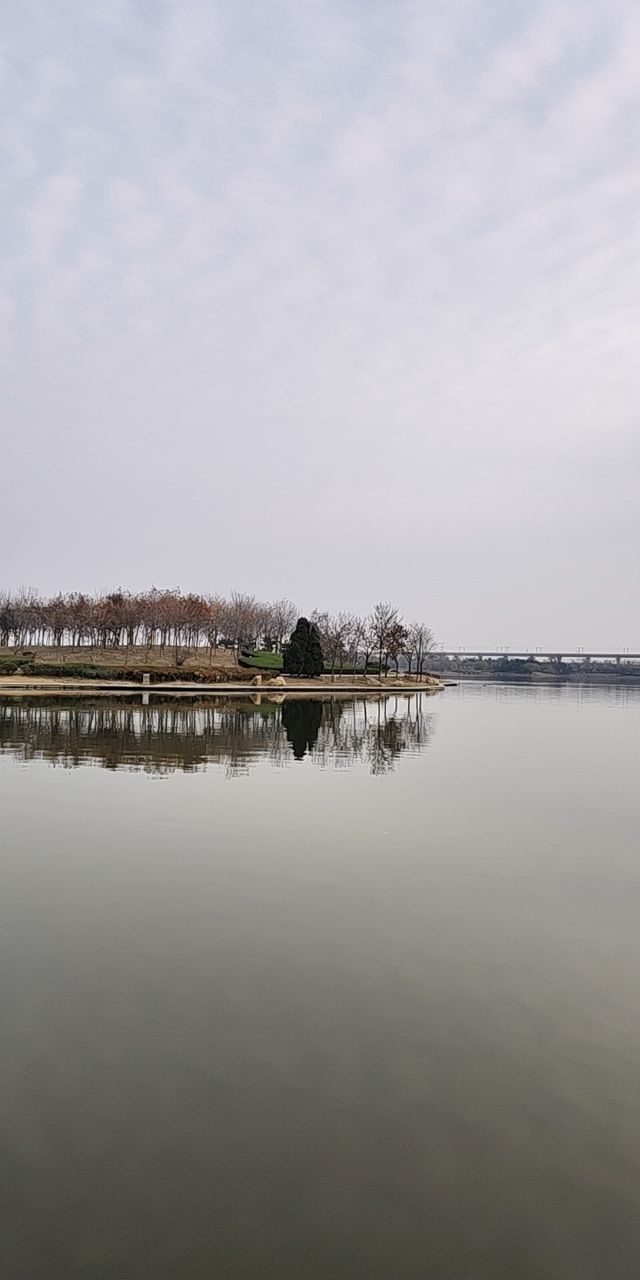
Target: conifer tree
[295,650]
[303,653]
[314,658]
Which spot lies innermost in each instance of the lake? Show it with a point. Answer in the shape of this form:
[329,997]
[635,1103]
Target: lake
[322,990]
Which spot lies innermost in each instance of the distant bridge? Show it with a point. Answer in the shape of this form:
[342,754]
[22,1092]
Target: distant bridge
[539,655]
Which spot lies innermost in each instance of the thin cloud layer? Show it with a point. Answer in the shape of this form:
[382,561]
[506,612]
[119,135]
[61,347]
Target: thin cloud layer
[330,299]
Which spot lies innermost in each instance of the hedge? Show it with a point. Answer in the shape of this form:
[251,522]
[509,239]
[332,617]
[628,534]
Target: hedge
[348,669]
[78,671]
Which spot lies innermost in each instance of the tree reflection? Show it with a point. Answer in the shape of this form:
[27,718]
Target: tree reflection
[301,719]
[160,738]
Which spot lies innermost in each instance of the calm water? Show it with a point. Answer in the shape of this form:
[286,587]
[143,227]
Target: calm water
[322,991]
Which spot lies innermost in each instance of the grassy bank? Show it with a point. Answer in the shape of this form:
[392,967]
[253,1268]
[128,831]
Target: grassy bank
[124,664]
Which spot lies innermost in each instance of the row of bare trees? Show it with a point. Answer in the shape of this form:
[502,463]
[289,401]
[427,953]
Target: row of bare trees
[380,638]
[171,620]
[156,618]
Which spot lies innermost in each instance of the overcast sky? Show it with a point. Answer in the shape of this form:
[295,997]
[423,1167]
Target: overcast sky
[335,299]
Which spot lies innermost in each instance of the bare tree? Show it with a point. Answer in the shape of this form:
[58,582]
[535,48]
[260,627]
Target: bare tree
[422,642]
[283,617]
[216,620]
[368,642]
[244,616]
[408,649]
[356,640]
[395,643]
[334,639]
[383,617]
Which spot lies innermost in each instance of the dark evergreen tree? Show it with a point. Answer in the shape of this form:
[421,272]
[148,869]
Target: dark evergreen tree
[294,652]
[314,660]
[303,653]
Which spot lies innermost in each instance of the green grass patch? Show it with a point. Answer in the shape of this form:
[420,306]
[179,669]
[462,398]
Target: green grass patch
[260,660]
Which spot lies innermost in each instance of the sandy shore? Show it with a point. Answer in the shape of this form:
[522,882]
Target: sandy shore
[52,685]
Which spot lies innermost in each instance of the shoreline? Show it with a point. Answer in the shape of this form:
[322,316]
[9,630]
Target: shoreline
[597,678]
[52,685]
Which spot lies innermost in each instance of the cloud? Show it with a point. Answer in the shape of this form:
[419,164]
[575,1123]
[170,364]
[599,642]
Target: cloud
[318,248]
[50,218]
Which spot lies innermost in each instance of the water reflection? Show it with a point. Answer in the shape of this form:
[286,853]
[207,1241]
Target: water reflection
[301,721]
[187,736]
[321,1024]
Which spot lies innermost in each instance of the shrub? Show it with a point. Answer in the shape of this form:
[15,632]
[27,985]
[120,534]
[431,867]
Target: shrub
[348,669]
[9,665]
[132,675]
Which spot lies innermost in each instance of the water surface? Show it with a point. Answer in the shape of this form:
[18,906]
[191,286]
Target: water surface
[322,990]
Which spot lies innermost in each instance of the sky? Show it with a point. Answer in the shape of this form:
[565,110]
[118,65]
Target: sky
[331,299]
